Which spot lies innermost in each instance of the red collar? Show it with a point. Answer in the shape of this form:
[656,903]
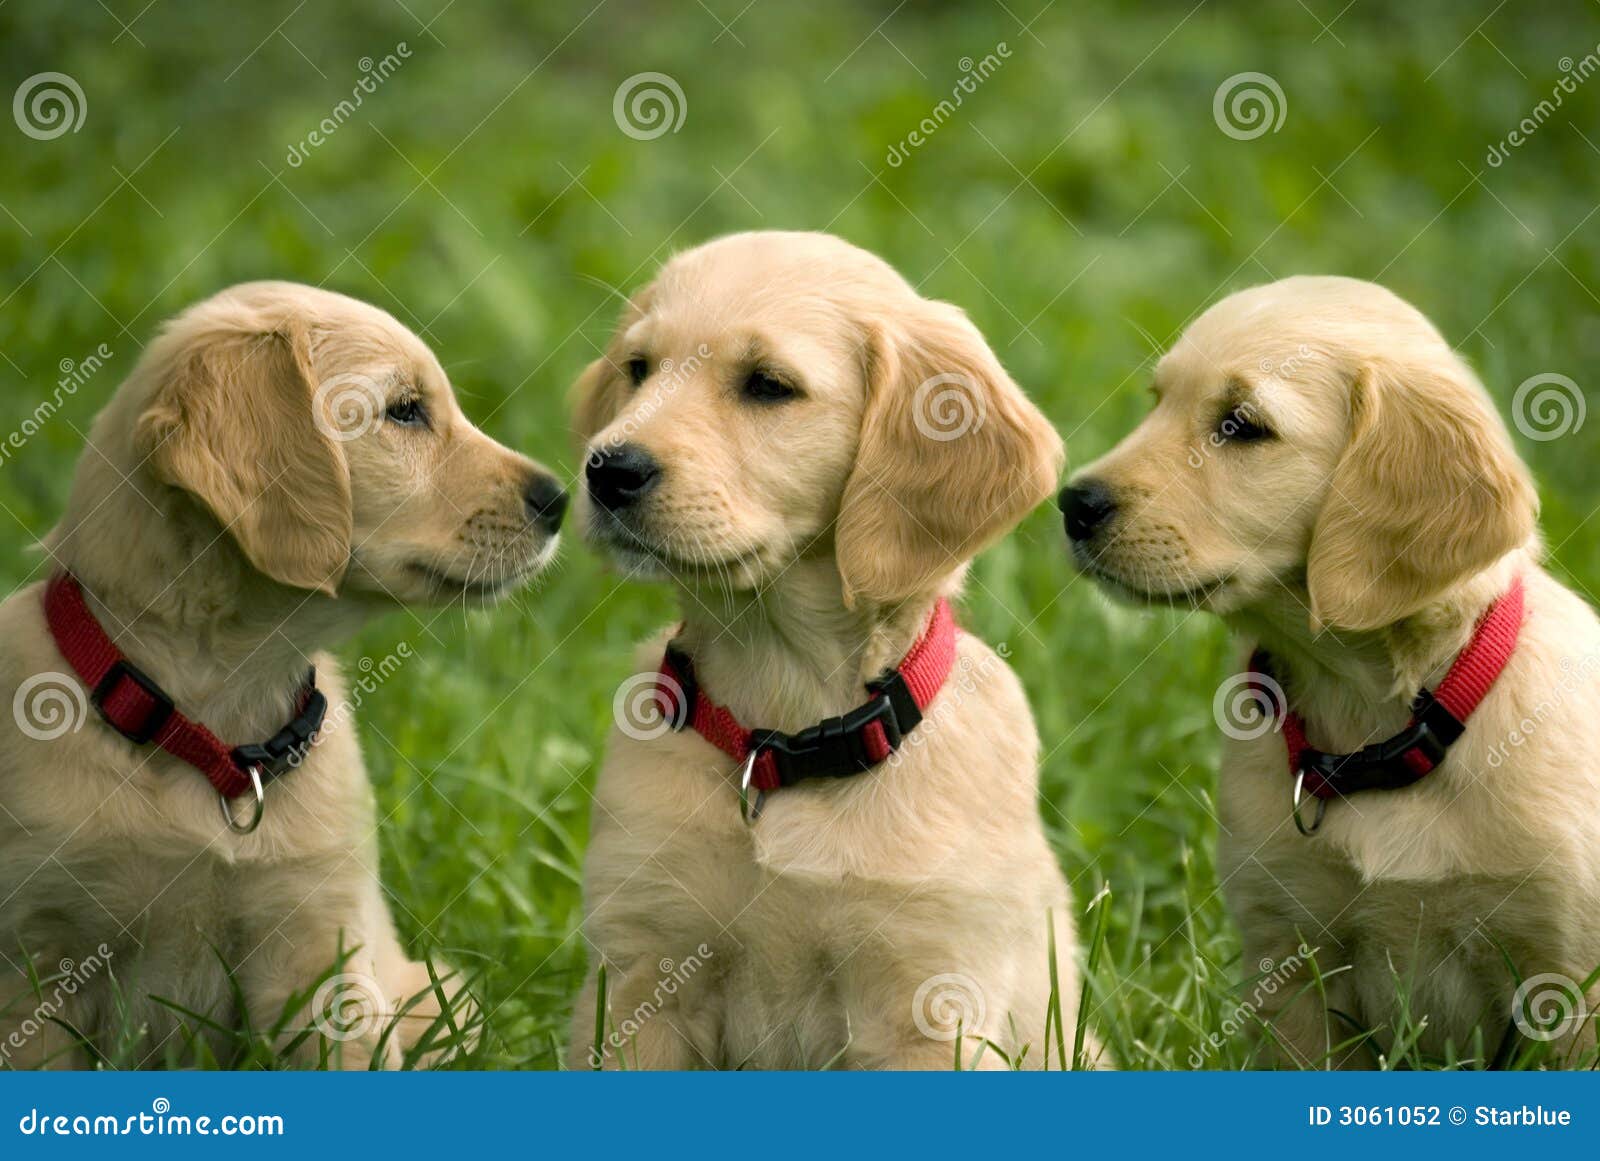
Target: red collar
[833,748]
[138,709]
[1438,718]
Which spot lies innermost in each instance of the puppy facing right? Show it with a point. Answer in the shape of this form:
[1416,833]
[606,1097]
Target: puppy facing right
[1326,474]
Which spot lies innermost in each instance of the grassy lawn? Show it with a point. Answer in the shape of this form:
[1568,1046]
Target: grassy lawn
[1082,203]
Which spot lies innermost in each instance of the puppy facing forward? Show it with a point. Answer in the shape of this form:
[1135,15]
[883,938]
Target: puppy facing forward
[1323,472]
[184,814]
[820,843]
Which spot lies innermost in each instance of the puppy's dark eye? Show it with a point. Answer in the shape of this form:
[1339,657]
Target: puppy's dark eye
[763,386]
[1242,425]
[638,369]
[407,413]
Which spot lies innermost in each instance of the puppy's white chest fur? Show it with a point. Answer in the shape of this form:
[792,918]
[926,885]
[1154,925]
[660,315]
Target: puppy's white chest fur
[855,924]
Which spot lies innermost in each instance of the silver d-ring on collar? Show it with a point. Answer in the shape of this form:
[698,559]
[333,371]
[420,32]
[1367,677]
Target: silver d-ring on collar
[261,806]
[1299,796]
[750,813]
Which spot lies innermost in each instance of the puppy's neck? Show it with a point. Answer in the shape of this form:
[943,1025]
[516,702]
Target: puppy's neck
[792,654]
[1363,681]
[228,645]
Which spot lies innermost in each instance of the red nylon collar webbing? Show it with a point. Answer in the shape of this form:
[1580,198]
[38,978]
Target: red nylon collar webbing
[836,747]
[1438,716]
[138,709]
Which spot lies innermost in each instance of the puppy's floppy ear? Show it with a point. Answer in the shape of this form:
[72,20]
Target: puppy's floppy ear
[233,423]
[952,455]
[595,399]
[1428,492]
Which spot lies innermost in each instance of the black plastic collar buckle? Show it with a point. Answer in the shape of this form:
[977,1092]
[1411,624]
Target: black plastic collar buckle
[287,748]
[1382,765]
[836,747]
[161,708]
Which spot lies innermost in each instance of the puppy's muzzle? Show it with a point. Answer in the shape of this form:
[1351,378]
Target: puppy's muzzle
[619,477]
[1087,508]
[545,502]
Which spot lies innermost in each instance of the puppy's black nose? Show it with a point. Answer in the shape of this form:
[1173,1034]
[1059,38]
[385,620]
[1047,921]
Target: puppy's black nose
[546,502]
[1088,507]
[620,476]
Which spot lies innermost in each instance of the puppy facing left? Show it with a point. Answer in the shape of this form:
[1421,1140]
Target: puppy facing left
[282,463]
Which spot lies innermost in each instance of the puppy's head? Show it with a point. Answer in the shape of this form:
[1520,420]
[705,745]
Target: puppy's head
[772,396]
[323,437]
[1316,434]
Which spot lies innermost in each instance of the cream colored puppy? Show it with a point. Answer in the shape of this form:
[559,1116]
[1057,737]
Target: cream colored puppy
[1323,472]
[812,453]
[282,463]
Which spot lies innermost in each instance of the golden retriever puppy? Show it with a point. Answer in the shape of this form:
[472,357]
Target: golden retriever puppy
[812,453]
[1407,755]
[282,463]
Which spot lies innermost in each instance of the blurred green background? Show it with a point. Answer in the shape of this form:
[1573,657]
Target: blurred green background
[1082,202]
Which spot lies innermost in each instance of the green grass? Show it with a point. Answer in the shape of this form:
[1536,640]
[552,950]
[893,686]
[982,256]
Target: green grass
[1082,204]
